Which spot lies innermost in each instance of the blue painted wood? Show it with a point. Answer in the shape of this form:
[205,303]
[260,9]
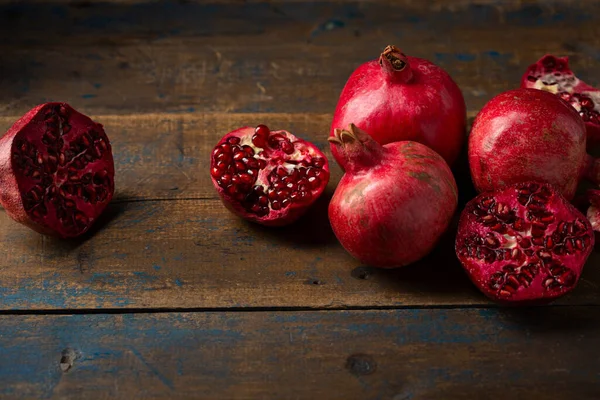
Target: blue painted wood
[551,353]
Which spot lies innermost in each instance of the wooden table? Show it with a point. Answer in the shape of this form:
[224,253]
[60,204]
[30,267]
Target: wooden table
[170,296]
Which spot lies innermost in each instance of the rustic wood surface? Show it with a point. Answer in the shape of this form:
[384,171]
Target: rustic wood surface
[465,354]
[173,297]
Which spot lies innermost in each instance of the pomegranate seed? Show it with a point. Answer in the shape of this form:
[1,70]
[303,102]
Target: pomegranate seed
[262,131]
[587,103]
[259,141]
[238,155]
[240,166]
[287,147]
[282,172]
[252,163]
[246,179]
[233,140]
[276,205]
[318,162]
[285,202]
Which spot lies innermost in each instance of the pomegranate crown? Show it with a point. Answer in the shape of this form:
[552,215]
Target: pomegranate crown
[359,149]
[394,56]
[395,64]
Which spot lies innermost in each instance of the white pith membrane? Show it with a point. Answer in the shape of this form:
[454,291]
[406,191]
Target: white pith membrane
[57,171]
[279,182]
[564,84]
[526,245]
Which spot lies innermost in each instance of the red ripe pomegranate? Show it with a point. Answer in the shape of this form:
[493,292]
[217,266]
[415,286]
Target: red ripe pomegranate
[56,170]
[393,202]
[527,134]
[553,74]
[399,97]
[523,244]
[268,177]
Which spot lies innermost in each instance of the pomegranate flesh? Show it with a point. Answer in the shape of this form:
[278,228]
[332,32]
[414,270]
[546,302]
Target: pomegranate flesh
[399,97]
[393,202]
[553,75]
[268,177]
[56,170]
[593,212]
[527,134]
[523,244]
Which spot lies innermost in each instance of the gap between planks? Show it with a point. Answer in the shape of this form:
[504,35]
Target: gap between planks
[167,310]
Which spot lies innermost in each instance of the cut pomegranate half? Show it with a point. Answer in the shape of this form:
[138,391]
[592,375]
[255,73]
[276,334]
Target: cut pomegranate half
[523,244]
[268,177]
[56,170]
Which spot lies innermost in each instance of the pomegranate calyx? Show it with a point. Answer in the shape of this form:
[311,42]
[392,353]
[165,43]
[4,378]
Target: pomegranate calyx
[359,149]
[395,64]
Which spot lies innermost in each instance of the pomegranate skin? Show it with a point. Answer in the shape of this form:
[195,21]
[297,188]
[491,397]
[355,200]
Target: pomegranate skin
[58,185]
[528,134]
[553,74]
[399,97]
[393,202]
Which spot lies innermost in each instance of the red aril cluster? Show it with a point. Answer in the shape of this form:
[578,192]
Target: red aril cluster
[56,170]
[269,177]
[552,74]
[523,244]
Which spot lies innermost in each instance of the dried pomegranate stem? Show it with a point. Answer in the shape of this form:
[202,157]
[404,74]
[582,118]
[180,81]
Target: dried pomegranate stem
[395,64]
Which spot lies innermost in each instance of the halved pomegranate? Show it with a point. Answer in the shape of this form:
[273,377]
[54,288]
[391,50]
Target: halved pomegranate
[553,74]
[268,177]
[56,170]
[524,243]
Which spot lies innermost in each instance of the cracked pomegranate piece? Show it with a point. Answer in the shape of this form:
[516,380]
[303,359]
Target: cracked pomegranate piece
[523,244]
[593,212]
[268,177]
[56,170]
[553,75]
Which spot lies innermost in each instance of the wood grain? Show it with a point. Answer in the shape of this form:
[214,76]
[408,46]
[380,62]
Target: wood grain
[195,254]
[270,56]
[548,353]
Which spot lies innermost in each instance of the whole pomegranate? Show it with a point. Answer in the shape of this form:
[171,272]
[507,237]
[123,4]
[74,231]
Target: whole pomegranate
[268,177]
[399,97]
[393,202]
[527,134]
[56,170]
[523,244]
[553,74]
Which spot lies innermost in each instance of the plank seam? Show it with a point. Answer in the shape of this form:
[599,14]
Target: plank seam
[166,310]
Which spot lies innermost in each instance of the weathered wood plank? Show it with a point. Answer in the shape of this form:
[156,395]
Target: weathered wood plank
[550,353]
[196,254]
[270,57]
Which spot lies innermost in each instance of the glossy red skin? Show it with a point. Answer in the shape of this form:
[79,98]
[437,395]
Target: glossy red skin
[10,194]
[479,273]
[392,213]
[528,134]
[429,109]
[275,218]
[593,129]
